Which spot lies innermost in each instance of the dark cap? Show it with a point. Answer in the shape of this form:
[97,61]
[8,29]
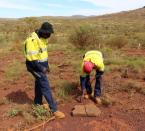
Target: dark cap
[46,28]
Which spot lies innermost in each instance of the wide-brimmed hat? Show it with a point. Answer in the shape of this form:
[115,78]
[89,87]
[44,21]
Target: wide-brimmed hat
[46,28]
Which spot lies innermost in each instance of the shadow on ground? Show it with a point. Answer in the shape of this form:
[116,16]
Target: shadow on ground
[19,97]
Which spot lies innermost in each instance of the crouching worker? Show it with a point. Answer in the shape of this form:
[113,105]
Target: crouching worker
[36,53]
[92,60]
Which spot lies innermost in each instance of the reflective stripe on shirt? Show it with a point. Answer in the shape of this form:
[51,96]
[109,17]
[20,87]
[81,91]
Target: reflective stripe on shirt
[43,60]
[32,52]
[43,49]
[36,52]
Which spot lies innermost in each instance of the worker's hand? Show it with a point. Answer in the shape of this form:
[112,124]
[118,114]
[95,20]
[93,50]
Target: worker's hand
[45,70]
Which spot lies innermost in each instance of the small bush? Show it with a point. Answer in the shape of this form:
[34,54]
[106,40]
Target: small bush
[65,90]
[14,112]
[84,36]
[117,42]
[39,112]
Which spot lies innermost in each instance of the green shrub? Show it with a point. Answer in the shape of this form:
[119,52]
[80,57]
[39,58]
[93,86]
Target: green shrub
[65,90]
[84,36]
[14,112]
[117,42]
[39,112]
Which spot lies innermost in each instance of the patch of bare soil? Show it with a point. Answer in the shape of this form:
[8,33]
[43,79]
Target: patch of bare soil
[127,113]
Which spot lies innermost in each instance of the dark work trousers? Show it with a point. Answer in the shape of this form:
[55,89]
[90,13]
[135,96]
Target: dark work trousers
[88,85]
[98,84]
[42,88]
[85,84]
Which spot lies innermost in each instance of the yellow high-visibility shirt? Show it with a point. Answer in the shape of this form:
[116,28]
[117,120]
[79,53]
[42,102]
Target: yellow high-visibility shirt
[96,58]
[36,48]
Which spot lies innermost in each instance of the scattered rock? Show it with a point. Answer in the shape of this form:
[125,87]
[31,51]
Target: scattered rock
[92,110]
[79,110]
[89,110]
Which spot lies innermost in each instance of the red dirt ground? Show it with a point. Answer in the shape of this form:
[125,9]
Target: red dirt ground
[126,114]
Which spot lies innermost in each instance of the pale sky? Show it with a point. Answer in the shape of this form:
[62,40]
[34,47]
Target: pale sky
[26,8]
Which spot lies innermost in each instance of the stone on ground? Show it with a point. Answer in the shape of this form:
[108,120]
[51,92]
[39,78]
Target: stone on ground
[79,110]
[89,110]
[92,110]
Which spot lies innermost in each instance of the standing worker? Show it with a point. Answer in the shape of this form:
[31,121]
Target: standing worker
[92,60]
[36,53]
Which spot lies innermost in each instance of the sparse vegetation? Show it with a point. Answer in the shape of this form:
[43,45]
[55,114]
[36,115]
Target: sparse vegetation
[65,90]
[13,70]
[14,112]
[118,42]
[136,86]
[84,37]
[4,100]
[40,112]
[111,34]
[136,64]
[29,118]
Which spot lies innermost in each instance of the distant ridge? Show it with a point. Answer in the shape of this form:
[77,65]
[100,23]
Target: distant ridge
[131,14]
